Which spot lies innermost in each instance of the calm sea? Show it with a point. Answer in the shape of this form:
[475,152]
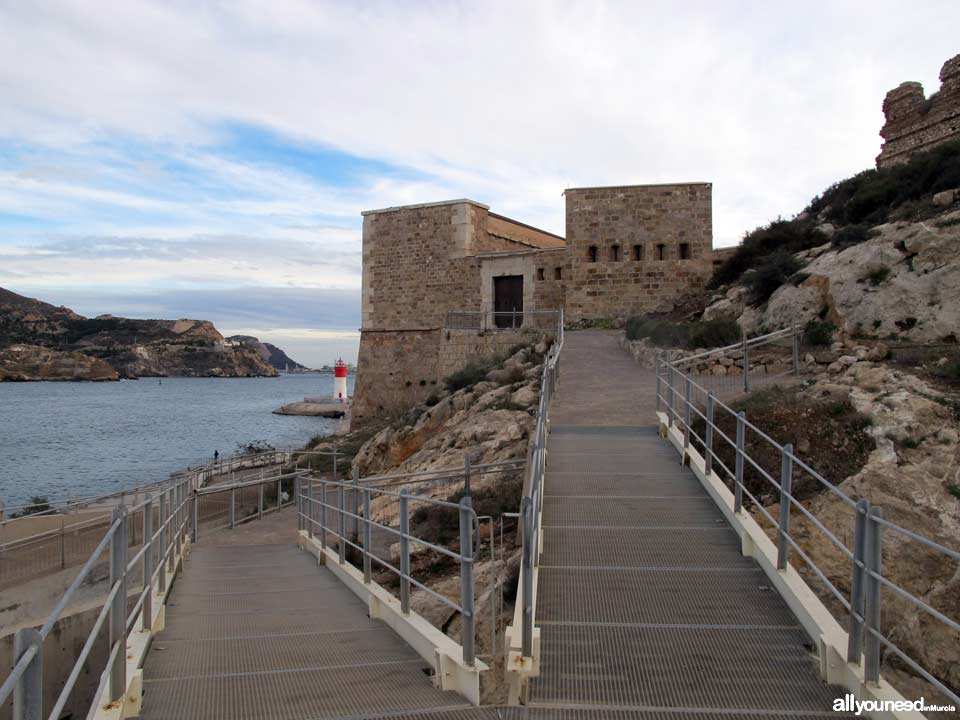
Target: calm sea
[75,439]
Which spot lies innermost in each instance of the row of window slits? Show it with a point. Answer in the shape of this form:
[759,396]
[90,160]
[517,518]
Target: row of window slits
[557,273]
[593,252]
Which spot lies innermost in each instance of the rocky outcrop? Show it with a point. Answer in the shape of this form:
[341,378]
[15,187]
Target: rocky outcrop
[271,354]
[20,363]
[113,346]
[903,282]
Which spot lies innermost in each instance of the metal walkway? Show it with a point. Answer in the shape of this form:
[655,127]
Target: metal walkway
[261,632]
[646,606]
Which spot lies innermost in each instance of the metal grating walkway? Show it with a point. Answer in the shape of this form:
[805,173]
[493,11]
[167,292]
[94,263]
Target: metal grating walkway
[646,606]
[263,633]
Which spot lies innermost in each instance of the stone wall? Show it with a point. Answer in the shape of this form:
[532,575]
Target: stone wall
[634,249]
[915,122]
[396,370]
[459,347]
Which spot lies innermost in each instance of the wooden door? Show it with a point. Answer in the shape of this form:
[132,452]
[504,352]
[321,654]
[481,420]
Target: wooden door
[508,301]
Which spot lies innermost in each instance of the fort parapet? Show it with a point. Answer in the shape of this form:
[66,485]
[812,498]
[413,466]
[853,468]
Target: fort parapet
[915,122]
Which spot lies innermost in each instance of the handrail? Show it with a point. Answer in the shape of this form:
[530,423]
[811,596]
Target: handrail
[312,509]
[865,636]
[160,553]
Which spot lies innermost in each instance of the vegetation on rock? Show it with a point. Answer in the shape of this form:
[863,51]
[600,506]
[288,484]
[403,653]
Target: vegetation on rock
[665,333]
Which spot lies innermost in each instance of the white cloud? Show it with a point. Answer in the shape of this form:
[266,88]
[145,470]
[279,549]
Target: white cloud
[505,102]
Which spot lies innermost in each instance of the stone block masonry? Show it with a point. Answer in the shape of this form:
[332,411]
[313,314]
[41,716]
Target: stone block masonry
[915,122]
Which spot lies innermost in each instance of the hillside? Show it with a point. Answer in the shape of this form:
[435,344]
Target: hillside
[40,341]
[273,355]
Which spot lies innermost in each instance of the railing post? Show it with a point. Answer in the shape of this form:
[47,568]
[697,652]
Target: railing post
[63,543]
[341,529]
[855,634]
[148,562]
[738,464]
[404,553]
[467,627]
[796,350]
[28,693]
[356,502]
[171,531]
[872,615]
[260,501]
[656,373]
[671,405]
[466,475]
[177,514]
[367,537]
[118,607]
[233,508]
[323,514]
[786,483]
[746,364]
[686,414]
[526,558]
[308,515]
[162,550]
[195,525]
[334,463]
[298,500]
[279,493]
[708,438]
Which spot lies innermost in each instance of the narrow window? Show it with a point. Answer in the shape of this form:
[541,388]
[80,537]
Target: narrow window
[592,253]
[661,252]
[539,273]
[638,252]
[615,252]
[558,273]
[684,251]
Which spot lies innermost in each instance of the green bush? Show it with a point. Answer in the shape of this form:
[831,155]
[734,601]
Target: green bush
[38,504]
[878,275]
[769,275]
[818,333]
[850,235]
[664,333]
[467,376]
[780,236]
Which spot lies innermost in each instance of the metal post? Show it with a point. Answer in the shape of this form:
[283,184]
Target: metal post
[162,556]
[148,563]
[855,635]
[738,472]
[279,493]
[171,525]
[356,503]
[404,553]
[63,544]
[796,350]
[467,629]
[686,414]
[367,538]
[28,692]
[746,364]
[196,517]
[526,519]
[670,403]
[308,515]
[708,438]
[298,501]
[260,501]
[786,481]
[656,372]
[176,525]
[118,607]
[233,510]
[334,463]
[341,529]
[323,514]
[466,475]
[872,615]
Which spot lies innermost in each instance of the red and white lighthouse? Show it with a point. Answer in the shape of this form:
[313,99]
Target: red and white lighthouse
[340,381]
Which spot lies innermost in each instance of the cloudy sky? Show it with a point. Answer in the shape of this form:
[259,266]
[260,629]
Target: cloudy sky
[168,159]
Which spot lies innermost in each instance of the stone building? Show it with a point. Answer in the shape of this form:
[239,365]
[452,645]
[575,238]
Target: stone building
[450,281]
[915,122]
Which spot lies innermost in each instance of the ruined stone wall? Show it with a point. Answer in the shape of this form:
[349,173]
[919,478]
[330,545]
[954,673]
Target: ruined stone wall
[633,249]
[915,122]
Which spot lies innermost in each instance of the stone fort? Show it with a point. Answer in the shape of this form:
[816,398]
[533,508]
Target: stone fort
[915,122]
[446,282]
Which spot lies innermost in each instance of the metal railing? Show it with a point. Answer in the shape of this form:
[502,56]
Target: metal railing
[724,432]
[531,506]
[526,320]
[341,514]
[164,520]
[230,504]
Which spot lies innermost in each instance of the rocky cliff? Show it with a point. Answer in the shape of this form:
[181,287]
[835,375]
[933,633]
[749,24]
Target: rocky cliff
[39,341]
[270,353]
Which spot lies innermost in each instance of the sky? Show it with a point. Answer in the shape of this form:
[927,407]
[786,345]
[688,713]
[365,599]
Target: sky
[211,159]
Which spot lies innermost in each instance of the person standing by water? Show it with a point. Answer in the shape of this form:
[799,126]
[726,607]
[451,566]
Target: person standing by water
[216,456]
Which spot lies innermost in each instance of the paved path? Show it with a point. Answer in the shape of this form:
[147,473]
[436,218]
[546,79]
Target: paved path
[645,603]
